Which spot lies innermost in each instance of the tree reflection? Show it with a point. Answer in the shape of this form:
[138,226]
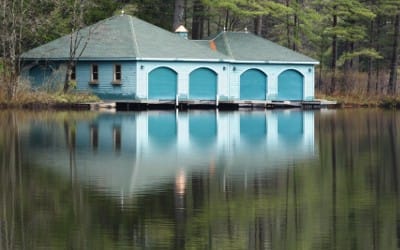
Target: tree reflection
[347,199]
[11,213]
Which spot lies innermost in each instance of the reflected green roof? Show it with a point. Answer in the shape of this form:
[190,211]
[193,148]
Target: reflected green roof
[244,46]
[125,37]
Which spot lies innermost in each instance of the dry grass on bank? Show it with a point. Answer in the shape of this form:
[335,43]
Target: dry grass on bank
[362,100]
[27,98]
[351,90]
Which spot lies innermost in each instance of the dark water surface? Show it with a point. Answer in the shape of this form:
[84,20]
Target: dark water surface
[200,180]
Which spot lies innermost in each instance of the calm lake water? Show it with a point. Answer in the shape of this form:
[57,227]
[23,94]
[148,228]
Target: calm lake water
[287,179]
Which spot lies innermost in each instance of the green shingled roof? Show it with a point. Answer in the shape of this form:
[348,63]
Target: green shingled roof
[125,37]
[128,38]
[244,46]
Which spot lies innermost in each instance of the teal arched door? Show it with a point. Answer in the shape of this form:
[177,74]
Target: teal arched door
[253,85]
[162,84]
[202,84]
[290,86]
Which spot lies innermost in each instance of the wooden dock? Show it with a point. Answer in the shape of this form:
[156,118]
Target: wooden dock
[137,105]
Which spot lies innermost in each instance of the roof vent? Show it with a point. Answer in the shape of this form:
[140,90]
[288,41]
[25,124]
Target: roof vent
[182,31]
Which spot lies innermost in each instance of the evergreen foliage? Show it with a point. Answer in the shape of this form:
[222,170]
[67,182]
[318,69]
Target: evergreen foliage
[346,36]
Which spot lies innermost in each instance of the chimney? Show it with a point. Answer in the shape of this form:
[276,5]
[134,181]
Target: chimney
[182,31]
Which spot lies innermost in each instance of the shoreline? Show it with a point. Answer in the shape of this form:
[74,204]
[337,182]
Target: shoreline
[101,105]
[76,102]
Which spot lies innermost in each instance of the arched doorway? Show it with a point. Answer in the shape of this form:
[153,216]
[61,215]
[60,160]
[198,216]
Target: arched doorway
[202,84]
[290,85]
[162,84]
[253,85]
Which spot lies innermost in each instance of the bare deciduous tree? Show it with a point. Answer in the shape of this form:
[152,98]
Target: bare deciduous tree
[78,41]
[12,22]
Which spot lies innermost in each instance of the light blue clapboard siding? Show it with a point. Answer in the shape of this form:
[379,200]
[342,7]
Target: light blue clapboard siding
[202,84]
[188,80]
[105,88]
[253,85]
[162,84]
[290,85]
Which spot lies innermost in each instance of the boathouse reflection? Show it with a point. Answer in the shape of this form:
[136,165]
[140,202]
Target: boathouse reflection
[135,152]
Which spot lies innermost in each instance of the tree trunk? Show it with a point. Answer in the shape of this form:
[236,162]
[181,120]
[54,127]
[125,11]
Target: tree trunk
[258,23]
[12,22]
[334,54]
[78,43]
[68,75]
[394,61]
[295,28]
[377,48]
[370,60]
[288,26]
[198,19]
[348,67]
[226,19]
[179,12]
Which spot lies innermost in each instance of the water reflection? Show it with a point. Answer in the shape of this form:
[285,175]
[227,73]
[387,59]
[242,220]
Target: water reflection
[242,180]
[134,152]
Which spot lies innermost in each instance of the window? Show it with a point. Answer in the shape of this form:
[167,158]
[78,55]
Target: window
[117,73]
[95,73]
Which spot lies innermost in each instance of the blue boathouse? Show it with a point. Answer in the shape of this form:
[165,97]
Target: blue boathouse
[125,58]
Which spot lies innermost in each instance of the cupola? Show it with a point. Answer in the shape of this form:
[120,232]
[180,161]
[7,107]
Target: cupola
[182,31]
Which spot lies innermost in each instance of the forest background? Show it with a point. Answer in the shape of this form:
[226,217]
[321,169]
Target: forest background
[355,41]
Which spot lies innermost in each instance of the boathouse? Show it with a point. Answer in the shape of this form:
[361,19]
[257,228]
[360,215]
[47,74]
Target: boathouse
[125,58]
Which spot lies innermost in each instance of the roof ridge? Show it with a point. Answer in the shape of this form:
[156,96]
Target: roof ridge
[281,46]
[228,47]
[136,45]
[219,34]
[200,46]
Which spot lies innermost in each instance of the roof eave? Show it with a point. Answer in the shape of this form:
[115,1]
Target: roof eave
[295,62]
[170,60]
[79,59]
[277,62]
[183,59]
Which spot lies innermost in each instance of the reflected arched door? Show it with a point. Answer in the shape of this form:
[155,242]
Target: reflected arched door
[162,128]
[253,127]
[162,84]
[203,128]
[290,126]
[253,85]
[202,84]
[290,86]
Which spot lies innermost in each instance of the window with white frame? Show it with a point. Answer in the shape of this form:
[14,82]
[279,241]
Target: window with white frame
[95,73]
[117,73]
